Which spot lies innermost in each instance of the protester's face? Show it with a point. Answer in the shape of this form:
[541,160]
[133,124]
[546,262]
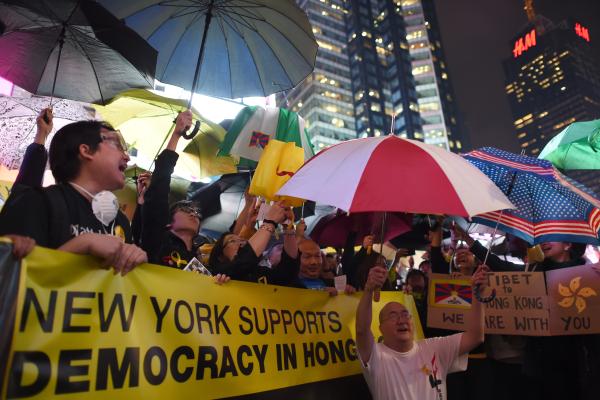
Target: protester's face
[329,267]
[311,260]
[395,323]
[417,283]
[425,267]
[555,250]
[183,220]
[465,261]
[110,160]
[231,246]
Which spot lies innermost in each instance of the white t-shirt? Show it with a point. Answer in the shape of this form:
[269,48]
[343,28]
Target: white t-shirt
[418,374]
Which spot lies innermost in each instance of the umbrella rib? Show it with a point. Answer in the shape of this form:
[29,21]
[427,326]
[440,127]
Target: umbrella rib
[279,61]
[84,52]
[187,28]
[293,21]
[249,50]
[255,66]
[159,25]
[220,23]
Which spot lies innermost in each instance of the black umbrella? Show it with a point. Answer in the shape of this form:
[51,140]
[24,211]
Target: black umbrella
[72,49]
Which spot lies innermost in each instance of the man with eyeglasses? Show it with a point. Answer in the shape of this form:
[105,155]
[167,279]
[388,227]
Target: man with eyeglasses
[79,214]
[400,367]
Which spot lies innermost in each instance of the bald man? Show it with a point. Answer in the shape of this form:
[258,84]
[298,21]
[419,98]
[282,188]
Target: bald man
[404,369]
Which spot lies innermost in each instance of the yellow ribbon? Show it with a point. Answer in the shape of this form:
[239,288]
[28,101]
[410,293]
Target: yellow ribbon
[176,258]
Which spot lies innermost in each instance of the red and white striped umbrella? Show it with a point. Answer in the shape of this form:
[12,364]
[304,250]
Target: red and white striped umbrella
[392,174]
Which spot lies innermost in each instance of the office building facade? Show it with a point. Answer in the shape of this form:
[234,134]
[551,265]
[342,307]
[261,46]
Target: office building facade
[552,80]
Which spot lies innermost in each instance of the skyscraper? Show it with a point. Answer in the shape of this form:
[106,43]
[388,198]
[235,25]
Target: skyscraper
[552,80]
[377,59]
[439,114]
[324,99]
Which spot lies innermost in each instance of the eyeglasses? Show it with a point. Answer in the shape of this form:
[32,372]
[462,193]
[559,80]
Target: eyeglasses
[116,141]
[193,211]
[238,241]
[395,316]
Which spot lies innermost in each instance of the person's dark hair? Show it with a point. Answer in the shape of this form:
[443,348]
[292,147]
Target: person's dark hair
[216,254]
[577,250]
[64,148]
[415,272]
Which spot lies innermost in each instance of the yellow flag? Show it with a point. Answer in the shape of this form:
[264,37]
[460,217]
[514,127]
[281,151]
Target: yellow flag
[277,164]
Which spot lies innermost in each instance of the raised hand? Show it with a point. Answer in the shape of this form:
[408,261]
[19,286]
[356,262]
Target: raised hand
[44,124]
[376,278]
[183,122]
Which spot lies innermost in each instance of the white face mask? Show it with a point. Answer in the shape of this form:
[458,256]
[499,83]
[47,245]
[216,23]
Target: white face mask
[105,205]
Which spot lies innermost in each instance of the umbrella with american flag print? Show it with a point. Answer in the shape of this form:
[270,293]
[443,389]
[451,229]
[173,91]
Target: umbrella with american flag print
[548,207]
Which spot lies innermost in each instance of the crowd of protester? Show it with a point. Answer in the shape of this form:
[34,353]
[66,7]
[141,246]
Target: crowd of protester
[80,214]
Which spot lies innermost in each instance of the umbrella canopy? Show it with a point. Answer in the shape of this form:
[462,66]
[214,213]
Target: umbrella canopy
[18,123]
[356,176]
[254,126]
[332,229]
[224,48]
[146,119]
[72,49]
[548,207]
[229,190]
[576,147]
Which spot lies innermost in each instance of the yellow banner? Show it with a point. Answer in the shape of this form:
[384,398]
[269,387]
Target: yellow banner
[164,333]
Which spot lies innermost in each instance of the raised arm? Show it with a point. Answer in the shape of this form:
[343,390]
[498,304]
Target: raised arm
[155,212]
[31,172]
[274,216]
[474,334]
[364,313]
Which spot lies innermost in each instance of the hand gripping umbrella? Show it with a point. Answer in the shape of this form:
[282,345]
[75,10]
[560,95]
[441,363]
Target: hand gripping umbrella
[241,48]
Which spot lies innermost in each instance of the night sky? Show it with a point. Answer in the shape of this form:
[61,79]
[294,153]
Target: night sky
[476,36]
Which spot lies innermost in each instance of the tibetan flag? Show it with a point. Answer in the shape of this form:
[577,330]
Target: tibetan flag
[259,139]
[451,293]
[255,126]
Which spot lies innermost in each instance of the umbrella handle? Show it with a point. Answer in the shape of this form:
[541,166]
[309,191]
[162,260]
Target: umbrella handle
[376,295]
[194,132]
[477,293]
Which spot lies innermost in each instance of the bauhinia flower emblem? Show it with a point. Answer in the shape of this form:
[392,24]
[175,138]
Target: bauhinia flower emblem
[573,294]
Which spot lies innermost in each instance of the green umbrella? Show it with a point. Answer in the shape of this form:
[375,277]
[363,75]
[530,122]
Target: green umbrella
[576,147]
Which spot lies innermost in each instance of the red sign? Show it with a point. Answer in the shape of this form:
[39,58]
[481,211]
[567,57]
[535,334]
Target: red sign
[582,31]
[524,43]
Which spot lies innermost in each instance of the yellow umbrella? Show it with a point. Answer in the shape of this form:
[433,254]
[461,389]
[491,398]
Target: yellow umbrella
[146,119]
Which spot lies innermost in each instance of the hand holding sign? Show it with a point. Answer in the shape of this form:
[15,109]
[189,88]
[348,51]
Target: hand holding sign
[480,283]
